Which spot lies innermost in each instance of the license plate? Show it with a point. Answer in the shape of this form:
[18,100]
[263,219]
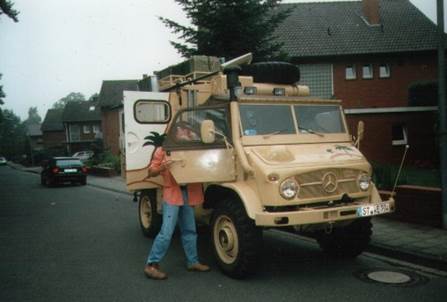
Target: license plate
[70,170]
[375,209]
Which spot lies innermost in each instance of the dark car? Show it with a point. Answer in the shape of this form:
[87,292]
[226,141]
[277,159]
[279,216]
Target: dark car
[63,169]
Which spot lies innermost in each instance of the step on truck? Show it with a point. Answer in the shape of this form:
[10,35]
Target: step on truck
[268,154]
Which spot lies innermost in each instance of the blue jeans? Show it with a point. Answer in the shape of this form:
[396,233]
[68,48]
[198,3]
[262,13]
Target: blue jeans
[185,216]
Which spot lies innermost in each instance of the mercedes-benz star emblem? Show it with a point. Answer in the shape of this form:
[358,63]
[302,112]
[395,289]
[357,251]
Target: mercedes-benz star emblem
[329,182]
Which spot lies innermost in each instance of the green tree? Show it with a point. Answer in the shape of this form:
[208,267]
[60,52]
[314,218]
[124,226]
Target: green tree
[94,97]
[229,28]
[71,97]
[12,135]
[6,8]
[33,116]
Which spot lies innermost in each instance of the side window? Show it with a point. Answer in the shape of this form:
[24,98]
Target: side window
[185,130]
[399,135]
[350,73]
[152,112]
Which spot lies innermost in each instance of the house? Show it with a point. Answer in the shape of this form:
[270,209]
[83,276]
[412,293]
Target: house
[367,54]
[82,124]
[53,132]
[110,102]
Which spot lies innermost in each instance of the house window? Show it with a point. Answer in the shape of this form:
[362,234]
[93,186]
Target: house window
[86,129]
[350,72]
[399,135]
[96,129]
[367,71]
[384,71]
[319,79]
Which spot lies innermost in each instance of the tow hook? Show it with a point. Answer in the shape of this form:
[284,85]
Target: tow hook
[329,227]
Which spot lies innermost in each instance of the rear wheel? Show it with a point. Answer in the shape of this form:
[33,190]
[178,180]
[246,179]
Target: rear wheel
[236,240]
[347,242]
[84,180]
[150,220]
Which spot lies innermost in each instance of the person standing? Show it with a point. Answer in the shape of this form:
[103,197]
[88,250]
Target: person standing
[178,203]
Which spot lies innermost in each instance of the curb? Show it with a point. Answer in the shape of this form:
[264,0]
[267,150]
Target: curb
[413,257]
[109,189]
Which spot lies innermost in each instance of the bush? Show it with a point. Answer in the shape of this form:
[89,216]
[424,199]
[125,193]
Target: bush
[106,159]
[384,176]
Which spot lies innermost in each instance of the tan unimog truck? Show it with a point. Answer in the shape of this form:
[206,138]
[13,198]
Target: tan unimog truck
[268,155]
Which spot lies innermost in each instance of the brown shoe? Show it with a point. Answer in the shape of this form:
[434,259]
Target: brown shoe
[153,271]
[198,267]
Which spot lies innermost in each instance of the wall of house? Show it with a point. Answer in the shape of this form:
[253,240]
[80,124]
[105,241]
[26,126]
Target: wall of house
[111,130]
[382,92]
[377,143]
[53,139]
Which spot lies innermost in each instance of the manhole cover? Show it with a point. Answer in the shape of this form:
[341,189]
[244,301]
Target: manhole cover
[392,277]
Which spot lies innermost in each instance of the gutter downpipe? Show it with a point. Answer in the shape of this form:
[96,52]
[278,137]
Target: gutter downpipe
[442,110]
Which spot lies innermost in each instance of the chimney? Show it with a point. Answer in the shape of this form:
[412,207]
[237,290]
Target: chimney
[371,11]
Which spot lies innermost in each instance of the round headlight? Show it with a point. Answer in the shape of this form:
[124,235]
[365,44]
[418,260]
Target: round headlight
[364,182]
[288,188]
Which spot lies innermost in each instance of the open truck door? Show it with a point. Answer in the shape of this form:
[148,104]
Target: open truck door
[193,160]
[146,117]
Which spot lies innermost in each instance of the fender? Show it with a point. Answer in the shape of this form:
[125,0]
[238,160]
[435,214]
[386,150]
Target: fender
[247,195]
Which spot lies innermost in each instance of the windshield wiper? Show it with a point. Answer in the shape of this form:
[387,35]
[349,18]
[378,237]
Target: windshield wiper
[265,136]
[311,131]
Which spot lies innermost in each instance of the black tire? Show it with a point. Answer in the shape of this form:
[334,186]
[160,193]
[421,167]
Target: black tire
[83,181]
[150,220]
[236,240]
[346,242]
[42,180]
[272,72]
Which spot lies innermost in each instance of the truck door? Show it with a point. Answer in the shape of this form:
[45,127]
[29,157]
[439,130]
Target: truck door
[194,161]
[145,114]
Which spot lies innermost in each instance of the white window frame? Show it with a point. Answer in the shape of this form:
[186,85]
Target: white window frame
[352,76]
[86,129]
[400,142]
[96,129]
[387,69]
[367,68]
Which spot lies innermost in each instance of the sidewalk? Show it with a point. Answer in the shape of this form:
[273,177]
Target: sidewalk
[411,242]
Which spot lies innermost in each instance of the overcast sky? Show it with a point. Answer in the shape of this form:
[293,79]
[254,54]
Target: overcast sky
[63,46]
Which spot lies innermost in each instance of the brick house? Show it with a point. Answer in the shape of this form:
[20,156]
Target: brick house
[367,54]
[82,124]
[110,102]
[53,132]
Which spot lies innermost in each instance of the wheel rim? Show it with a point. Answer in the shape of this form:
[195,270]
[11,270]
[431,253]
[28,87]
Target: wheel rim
[145,212]
[225,239]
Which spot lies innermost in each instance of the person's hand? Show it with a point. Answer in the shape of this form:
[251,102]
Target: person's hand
[165,165]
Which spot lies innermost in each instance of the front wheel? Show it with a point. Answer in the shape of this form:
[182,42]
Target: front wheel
[150,220]
[346,242]
[236,240]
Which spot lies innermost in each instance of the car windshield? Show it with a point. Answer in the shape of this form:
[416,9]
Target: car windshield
[266,119]
[260,119]
[68,162]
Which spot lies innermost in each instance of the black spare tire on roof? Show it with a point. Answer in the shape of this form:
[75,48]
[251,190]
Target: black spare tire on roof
[272,72]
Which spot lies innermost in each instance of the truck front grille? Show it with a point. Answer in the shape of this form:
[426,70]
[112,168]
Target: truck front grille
[328,182]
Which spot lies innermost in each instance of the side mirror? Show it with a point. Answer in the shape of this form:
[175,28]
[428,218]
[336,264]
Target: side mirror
[207,132]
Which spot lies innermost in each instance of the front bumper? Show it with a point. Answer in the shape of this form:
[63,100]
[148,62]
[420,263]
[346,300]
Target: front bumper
[326,215]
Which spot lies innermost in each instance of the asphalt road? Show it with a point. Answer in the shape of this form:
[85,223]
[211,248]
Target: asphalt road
[81,243]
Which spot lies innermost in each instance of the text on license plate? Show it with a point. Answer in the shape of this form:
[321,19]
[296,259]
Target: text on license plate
[70,170]
[375,209]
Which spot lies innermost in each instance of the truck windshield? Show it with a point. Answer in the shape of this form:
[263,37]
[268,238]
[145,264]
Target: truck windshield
[267,119]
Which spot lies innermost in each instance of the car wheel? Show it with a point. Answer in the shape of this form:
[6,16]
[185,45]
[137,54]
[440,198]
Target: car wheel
[150,219]
[346,242]
[42,180]
[236,240]
[84,181]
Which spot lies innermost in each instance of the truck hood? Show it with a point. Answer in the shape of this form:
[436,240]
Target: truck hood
[309,154]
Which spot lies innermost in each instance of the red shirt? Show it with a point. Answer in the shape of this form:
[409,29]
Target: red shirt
[172,193]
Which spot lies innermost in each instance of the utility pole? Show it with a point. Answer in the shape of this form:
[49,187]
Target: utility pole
[442,110]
